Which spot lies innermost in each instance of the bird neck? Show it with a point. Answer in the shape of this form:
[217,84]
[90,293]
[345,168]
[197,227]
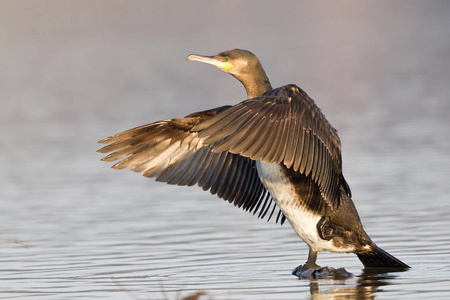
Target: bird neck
[256,83]
[257,87]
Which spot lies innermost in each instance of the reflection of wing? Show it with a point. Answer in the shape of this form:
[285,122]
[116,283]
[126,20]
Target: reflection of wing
[169,152]
[283,126]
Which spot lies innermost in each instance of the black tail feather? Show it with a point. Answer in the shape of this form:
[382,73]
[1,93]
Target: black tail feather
[378,258]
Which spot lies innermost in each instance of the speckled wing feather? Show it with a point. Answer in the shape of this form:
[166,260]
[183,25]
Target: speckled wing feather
[283,126]
[169,152]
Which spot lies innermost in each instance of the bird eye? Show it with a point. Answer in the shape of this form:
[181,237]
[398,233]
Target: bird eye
[227,58]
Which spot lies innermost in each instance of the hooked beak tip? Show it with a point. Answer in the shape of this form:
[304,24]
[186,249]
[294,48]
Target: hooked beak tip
[200,58]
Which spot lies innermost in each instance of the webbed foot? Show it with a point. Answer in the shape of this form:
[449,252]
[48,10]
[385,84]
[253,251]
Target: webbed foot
[316,272]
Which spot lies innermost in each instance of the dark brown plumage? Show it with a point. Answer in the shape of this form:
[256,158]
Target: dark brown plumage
[283,126]
[275,149]
[169,152]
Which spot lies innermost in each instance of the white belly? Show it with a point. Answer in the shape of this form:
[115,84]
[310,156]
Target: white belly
[302,221]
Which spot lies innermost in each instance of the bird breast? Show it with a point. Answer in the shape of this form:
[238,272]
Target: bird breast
[301,218]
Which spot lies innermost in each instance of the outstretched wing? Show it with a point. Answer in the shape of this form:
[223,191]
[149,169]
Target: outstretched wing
[283,126]
[169,152]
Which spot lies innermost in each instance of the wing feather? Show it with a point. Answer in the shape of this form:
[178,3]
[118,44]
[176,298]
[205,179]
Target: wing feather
[170,152]
[283,126]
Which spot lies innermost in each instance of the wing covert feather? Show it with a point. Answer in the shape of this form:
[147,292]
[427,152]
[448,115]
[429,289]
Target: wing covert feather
[169,152]
[291,130]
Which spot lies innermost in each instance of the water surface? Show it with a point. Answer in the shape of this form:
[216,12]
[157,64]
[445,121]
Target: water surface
[73,73]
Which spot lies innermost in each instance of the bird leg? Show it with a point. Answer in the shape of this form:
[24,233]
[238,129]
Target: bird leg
[311,262]
[309,266]
[310,270]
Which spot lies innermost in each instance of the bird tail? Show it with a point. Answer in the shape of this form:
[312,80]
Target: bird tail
[378,258]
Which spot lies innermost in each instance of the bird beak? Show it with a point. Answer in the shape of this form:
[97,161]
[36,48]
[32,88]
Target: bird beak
[211,60]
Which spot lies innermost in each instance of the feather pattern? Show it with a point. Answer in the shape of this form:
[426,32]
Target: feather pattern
[283,126]
[169,152]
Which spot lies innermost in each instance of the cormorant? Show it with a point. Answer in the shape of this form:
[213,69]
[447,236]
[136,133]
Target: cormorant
[275,149]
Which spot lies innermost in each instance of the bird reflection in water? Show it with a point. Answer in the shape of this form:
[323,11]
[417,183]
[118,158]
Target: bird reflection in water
[367,285]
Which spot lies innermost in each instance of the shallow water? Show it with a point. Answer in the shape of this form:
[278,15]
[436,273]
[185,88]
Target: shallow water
[72,75]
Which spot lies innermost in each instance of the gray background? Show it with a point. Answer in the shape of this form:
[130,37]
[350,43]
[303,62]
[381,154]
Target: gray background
[73,72]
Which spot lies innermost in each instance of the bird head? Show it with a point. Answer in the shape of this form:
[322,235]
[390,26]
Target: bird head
[243,65]
[233,62]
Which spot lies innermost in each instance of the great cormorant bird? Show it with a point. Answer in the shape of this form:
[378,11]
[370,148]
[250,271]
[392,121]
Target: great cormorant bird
[275,149]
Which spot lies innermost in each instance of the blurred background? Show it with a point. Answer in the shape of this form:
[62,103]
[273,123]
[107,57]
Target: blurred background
[73,72]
